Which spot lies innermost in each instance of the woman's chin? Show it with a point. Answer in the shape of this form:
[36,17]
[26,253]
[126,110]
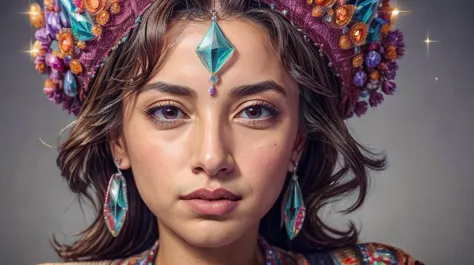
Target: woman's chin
[212,234]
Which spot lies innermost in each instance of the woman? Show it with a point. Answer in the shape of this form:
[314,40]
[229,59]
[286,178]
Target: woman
[217,127]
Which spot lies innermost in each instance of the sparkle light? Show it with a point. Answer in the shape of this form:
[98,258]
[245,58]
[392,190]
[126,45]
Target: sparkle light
[428,41]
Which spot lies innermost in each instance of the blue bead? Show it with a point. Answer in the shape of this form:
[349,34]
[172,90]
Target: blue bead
[215,49]
[372,59]
[214,79]
[70,85]
[81,24]
[360,78]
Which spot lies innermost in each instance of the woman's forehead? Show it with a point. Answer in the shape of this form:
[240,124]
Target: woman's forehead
[254,58]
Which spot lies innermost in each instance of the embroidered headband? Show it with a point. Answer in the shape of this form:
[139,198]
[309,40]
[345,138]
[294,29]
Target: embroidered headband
[75,37]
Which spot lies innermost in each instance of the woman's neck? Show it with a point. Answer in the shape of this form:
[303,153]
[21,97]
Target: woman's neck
[175,250]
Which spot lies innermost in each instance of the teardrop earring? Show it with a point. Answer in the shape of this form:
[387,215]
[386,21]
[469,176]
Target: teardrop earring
[116,203]
[292,209]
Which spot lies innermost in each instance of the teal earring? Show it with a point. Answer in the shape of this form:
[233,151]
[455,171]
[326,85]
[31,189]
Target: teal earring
[214,51]
[292,208]
[116,203]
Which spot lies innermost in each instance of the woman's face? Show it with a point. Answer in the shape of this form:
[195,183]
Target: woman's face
[178,139]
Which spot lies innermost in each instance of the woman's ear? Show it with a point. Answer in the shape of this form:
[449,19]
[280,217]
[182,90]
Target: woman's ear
[298,148]
[118,147]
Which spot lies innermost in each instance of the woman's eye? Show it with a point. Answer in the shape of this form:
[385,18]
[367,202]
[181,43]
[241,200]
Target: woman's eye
[256,112]
[168,113]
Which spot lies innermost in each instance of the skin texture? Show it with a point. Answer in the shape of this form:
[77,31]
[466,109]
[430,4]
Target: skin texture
[211,142]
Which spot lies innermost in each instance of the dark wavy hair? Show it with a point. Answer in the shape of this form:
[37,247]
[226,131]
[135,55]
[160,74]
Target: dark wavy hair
[333,165]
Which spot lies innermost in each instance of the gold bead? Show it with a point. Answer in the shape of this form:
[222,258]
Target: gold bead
[35,49]
[115,8]
[97,30]
[310,2]
[317,11]
[344,42]
[358,61]
[49,83]
[102,17]
[81,45]
[66,42]
[375,75]
[75,66]
[36,16]
[94,6]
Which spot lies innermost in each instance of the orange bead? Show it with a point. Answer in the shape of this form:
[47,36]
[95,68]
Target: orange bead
[102,17]
[358,61]
[375,75]
[386,28]
[115,8]
[41,67]
[75,66]
[344,14]
[36,16]
[358,34]
[97,30]
[94,6]
[35,49]
[81,45]
[66,42]
[391,52]
[317,11]
[320,2]
[49,83]
[345,42]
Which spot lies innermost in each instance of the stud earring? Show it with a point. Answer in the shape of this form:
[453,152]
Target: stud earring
[116,203]
[293,210]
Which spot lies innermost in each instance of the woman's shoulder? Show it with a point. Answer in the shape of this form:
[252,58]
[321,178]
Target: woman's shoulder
[362,254]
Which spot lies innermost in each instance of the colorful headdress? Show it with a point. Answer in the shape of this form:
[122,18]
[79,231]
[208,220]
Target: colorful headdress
[75,37]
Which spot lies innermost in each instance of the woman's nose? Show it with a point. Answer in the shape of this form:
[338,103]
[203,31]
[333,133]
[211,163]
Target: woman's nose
[212,153]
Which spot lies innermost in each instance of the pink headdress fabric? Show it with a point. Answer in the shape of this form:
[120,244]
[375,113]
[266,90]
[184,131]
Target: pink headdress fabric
[74,38]
[356,37]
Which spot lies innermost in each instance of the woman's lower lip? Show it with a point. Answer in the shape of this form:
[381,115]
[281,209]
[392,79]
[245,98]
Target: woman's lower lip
[216,208]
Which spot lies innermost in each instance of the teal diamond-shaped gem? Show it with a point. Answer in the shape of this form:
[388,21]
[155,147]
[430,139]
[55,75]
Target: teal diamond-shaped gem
[294,211]
[116,205]
[81,24]
[215,49]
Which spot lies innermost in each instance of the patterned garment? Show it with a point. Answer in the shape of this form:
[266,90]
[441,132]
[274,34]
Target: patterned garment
[361,254]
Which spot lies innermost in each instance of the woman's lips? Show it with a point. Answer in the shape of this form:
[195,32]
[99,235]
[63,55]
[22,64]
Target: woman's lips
[211,202]
[214,208]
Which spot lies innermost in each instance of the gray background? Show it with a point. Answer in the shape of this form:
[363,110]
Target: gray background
[422,203]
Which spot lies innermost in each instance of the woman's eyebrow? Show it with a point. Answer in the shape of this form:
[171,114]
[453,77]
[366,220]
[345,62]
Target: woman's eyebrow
[251,89]
[235,92]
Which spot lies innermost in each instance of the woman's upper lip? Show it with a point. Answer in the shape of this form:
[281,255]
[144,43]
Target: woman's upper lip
[206,194]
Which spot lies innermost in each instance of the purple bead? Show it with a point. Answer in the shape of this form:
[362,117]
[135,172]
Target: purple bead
[212,90]
[53,23]
[55,63]
[67,60]
[360,78]
[372,59]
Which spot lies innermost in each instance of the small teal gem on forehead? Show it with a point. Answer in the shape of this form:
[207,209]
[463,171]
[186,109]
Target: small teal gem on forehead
[214,79]
[215,49]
